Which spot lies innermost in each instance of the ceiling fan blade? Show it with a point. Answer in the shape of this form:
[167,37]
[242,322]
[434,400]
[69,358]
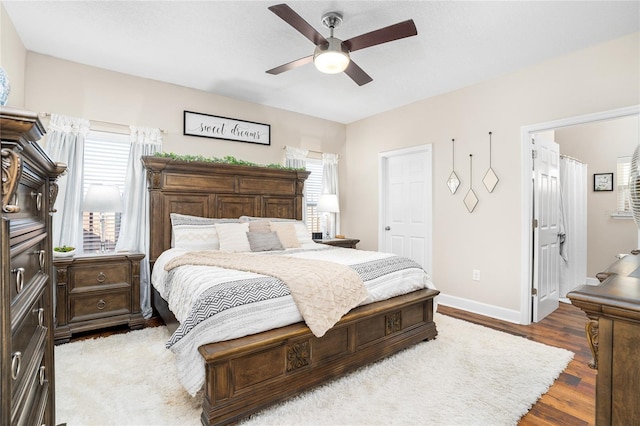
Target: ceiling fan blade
[383,35]
[291,65]
[357,74]
[292,18]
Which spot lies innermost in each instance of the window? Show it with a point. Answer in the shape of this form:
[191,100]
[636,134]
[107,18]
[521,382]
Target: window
[622,183]
[312,191]
[106,156]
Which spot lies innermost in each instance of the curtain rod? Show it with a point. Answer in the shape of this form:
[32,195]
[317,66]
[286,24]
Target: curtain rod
[48,114]
[570,158]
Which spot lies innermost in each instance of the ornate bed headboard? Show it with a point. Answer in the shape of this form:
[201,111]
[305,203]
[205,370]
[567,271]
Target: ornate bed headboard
[217,191]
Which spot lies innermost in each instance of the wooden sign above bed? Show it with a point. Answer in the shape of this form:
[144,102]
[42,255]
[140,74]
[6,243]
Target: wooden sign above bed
[217,191]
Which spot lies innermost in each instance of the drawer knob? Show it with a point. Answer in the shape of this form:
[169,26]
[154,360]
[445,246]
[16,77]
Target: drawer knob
[101,277]
[101,304]
[19,278]
[16,359]
[42,375]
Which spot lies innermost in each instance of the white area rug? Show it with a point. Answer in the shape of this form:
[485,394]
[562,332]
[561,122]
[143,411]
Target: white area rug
[469,375]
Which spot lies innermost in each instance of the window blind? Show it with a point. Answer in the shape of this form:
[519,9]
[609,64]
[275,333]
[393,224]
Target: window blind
[106,156]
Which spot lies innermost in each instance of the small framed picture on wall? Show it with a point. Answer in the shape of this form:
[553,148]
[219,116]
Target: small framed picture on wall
[603,181]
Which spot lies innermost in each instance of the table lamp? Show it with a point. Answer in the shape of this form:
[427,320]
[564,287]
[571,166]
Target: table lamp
[328,203]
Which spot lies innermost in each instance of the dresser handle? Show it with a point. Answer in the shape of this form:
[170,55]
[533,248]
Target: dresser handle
[16,359]
[40,313]
[19,278]
[42,375]
[41,257]
[38,196]
[101,304]
[101,277]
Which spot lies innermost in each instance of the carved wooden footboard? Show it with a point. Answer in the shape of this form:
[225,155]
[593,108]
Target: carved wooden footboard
[247,374]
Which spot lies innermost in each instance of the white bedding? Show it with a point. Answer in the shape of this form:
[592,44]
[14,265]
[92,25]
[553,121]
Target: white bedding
[260,316]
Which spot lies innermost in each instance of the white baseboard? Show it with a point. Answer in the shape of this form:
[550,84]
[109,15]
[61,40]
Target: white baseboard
[479,308]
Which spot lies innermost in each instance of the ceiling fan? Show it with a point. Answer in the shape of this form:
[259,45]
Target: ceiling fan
[332,55]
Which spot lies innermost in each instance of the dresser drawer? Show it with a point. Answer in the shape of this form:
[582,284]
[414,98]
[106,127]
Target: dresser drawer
[27,265]
[25,368]
[31,409]
[23,332]
[95,276]
[30,197]
[88,306]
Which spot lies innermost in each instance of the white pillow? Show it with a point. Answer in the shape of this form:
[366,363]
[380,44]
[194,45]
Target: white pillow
[193,223]
[196,237]
[233,236]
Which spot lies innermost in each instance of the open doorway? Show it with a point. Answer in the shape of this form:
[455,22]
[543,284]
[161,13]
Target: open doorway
[529,276]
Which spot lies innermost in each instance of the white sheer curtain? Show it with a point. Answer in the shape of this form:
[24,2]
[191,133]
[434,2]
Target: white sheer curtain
[295,157]
[573,214]
[65,144]
[330,181]
[134,229]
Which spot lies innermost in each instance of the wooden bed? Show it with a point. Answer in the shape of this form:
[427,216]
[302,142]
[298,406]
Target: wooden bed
[248,374]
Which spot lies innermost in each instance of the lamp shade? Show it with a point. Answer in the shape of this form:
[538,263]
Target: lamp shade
[103,199]
[328,203]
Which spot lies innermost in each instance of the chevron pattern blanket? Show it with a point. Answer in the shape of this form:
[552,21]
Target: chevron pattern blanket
[323,291]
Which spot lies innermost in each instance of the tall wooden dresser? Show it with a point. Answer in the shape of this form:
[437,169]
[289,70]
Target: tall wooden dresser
[613,332]
[26,308]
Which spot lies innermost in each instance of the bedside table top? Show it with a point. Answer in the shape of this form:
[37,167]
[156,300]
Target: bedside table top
[88,257]
[337,240]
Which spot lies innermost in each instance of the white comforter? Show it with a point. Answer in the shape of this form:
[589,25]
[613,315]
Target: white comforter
[260,316]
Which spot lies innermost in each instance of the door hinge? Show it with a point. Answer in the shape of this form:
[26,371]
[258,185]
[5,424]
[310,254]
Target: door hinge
[534,291]
[535,223]
[534,154]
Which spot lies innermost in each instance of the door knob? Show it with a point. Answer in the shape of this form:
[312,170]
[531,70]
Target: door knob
[387,228]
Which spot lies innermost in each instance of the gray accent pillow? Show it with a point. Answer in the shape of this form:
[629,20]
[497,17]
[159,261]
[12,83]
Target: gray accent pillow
[264,241]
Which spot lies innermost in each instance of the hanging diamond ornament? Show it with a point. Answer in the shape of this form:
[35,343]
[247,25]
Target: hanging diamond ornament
[490,179]
[453,182]
[470,200]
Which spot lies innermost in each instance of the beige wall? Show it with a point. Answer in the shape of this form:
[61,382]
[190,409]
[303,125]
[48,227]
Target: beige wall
[599,78]
[12,59]
[59,86]
[599,145]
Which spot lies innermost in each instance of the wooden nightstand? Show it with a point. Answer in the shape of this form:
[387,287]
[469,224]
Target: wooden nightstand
[339,242]
[97,291]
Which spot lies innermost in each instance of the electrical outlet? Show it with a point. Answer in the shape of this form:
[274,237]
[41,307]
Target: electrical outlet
[476,275]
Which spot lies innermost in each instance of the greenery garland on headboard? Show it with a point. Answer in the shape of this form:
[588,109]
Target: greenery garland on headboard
[224,160]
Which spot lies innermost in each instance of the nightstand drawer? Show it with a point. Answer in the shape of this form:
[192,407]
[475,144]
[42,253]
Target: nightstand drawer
[83,277]
[99,305]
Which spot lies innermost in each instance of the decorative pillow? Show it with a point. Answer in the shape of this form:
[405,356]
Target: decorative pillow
[263,226]
[264,241]
[304,236]
[196,237]
[286,234]
[192,223]
[233,236]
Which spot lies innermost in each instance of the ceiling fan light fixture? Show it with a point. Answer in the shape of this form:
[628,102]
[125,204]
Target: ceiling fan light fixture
[331,58]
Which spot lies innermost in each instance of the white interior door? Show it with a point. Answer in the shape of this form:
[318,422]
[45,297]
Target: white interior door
[546,214]
[406,203]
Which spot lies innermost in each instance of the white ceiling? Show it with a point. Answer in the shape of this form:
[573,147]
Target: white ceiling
[225,47]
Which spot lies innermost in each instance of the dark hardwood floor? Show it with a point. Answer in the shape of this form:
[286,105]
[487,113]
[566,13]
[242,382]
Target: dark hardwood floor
[571,399]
